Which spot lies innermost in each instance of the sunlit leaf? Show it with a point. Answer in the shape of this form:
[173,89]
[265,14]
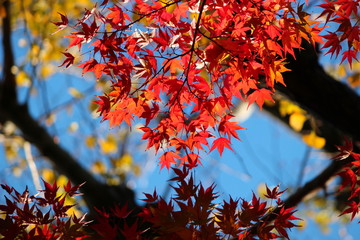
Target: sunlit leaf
[22,79]
[90,142]
[323,219]
[47,70]
[62,180]
[287,108]
[296,121]
[115,181]
[136,170]
[108,145]
[261,190]
[314,141]
[354,79]
[75,93]
[10,152]
[341,71]
[50,119]
[48,175]
[98,167]
[124,162]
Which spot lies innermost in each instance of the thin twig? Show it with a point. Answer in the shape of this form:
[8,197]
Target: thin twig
[303,165]
[32,166]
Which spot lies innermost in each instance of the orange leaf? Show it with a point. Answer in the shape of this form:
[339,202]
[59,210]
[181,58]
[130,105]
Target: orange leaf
[168,158]
[259,96]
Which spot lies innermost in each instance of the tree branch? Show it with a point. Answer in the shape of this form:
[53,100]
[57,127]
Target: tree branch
[7,84]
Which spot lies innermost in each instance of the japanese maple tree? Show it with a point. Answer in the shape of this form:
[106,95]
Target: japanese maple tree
[178,68]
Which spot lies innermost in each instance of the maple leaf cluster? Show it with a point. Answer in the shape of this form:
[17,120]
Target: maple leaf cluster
[345,13]
[42,216]
[179,66]
[192,214]
[350,175]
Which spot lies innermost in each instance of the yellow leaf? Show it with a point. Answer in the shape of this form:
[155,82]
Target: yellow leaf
[50,119]
[269,103]
[22,79]
[48,175]
[261,190]
[98,167]
[314,141]
[323,219]
[137,170]
[10,152]
[35,51]
[46,71]
[126,159]
[170,8]
[90,142]
[93,106]
[287,108]
[108,145]
[74,210]
[320,202]
[124,163]
[194,15]
[61,180]
[75,93]
[297,120]
[341,71]
[113,181]
[354,79]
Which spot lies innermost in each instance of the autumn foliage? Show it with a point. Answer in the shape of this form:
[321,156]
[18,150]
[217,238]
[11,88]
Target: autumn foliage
[41,216]
[178,68]
[193,213]
[349,176]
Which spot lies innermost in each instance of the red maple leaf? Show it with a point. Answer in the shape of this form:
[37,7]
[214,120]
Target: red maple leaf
[69,60]
[349,55]
[274,193]
[353,209]
[284,220]
[345,151]
[348,178]
[228,127]
[220,144]
[63,24]
[104,106]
